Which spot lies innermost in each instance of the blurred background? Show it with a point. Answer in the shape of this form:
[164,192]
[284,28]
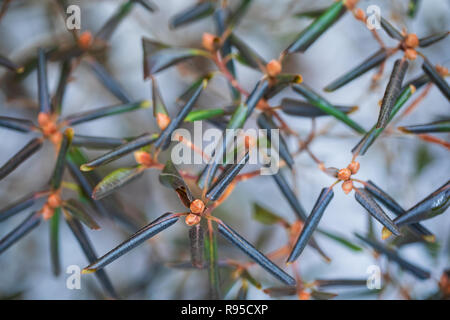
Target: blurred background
[403,165]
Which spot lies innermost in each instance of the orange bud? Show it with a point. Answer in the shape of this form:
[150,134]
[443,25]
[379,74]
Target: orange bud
[347,186]
[303,295]
[47,212]
[85,40]
[354,167]
[192,219]
[143,158]
[411,40]
[360,14]
[56,138]
[197,206]
[344,174]
[350,4]
[443,71]
[410,54]
[209,41]
[43,118]
[49,129]
[54,200]
[162,120]
[273,68]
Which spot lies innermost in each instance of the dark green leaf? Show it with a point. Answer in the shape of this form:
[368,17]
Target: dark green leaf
[5,62]
[290,196]
[78,212]
[247,55]
[23,154]
[147,232]
[437,126]
[211,259]
[301,108]
[54,242]
[253,253]
[31,222]
[196,245]
[107,111]
[191,14]
[427,41]
[433,205]
[159,107]
[392,92]
[373,61]
[64,75]
[437,79]
[393,256]
[311,223]
[276,292]
[108,81]
[317,27]
[20,205]
[265,216]
[44,97]
[21,125]
[391,30]
[327,107]
[340,282]
[321,295]
[197,115]
[159,56]
[97,142]
[58,171]
[112,23]
[340,240]
[367,202]
[132,145]
[171,178]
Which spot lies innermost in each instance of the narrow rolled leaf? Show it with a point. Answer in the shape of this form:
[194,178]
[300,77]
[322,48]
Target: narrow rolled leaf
[301,108]
[373,61]
[370,137]
[19,205]
[218,187]
[437,126]
[97,142]
[108,81]
[31,222]
[289,195]
[307,37]
[5,62]
[116,179]
[113,22]
[58,171]
[265,122]
[327,107]
[282,81]
[265,216]
[164,138]
[132,145]
[57,100]
[392,31]
[54,242]
[341,240]
[159,56]
[322,283]
[253,253]
[23,154]
[437,79]
[88,250]
[312,14]
[392,92]
[256,95]
[159,107]
[394,257]
[44,96]
[427,41]
[107,111]
[171,178]
[212,263]
[367,202]
[418,82]
[311,223]
[433,205]
[197,115]
[247,55]
[196,245]
[191,14]
[21,125]
[147,232]
[75,210]
[220,19]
